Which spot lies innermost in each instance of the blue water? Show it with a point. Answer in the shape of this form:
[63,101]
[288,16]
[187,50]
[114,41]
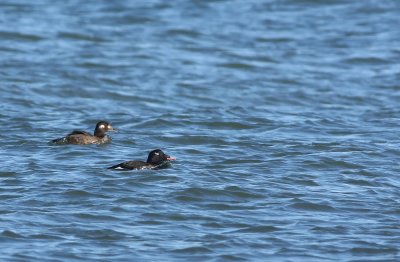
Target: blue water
[283,116]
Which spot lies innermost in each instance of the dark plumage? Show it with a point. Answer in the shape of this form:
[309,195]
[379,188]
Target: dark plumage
[83,138]
[156,159]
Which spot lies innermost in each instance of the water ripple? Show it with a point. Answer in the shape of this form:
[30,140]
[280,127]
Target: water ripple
[283,116]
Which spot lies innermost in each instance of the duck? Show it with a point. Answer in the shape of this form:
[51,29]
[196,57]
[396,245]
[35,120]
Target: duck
[78,137]
[156,159]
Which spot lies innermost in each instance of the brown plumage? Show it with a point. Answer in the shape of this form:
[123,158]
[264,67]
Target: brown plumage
[84,138]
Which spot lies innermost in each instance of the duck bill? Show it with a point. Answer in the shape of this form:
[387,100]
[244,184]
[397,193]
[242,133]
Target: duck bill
[112,129]
[171,158]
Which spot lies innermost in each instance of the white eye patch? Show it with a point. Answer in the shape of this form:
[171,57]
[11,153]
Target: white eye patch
[157,154]
[102,126]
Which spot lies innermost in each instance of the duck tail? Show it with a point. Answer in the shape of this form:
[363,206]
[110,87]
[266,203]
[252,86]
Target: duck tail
[115,167]
[59,141]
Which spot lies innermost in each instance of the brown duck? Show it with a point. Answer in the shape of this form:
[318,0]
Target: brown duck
[77,137]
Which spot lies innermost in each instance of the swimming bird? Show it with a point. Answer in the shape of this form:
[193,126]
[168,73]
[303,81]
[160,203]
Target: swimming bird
[78,137]
[157,159]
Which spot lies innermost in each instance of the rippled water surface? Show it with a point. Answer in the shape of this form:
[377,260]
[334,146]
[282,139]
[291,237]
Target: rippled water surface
[283,116]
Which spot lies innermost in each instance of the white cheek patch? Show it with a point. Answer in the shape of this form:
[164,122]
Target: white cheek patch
[101,126]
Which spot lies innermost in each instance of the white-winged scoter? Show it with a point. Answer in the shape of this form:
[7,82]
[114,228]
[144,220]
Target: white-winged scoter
[157,159]
[78,137]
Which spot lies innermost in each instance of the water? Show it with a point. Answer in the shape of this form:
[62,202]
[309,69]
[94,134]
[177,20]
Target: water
[283,115]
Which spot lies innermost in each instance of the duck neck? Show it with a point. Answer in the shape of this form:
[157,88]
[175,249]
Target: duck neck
[99,133]
[154,162]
